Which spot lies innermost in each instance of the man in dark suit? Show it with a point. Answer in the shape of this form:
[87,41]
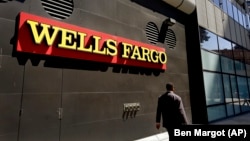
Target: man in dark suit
[170,108]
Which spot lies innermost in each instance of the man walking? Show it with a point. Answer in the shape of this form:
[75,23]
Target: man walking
[170,108]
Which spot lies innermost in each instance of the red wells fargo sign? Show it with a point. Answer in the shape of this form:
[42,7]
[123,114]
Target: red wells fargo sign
[38,35]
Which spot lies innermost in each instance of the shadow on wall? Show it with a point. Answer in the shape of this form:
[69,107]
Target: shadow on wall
[57,62]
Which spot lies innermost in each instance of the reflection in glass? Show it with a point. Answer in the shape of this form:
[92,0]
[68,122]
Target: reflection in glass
[227,65]
[243,88]
[235,13]
[248,70]
[238,52]
[244,106]
[240,17]
[247,61]
[217,3]
[216,112]
[230,9]
[210,61]
[247,20]
[213,88]
[234,88]
[227,88]
[243,93]
[239,68]
[225,47]
[239,59]
[248,83]
[236,107]
[224,5]
[230,109]
[244,21]
[208,40]
[246,56]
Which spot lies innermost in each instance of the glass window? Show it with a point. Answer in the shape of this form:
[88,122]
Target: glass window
[239,59]
[225,47]
[236,107]
[249,93]
[216,112]
[248,69]
[213,88]
[246,55]
[224,5]
[243,88]
[247,20]
[234,88]
[227,65]
[208,40]
[244,20]
[227,88]
[235,13]
[230,9]
[235,94]
[243,93]
[248,79]
[247,60]
[210,61]
[217,3]
[244,106]
[240,17]
[230,109]
[240,68]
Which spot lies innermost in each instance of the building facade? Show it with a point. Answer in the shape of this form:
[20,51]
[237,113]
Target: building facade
[224,42]
[93,70]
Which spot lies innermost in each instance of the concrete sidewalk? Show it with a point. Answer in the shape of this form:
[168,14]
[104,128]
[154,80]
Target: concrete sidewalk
[158,137]
[243,119]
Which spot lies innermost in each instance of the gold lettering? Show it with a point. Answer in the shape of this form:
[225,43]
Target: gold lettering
[82,43]
[97,48]
[164,59]
[136,52]
[126,50]
[111,45]
[43,34]
[154,58]
[145,54]
[67,38]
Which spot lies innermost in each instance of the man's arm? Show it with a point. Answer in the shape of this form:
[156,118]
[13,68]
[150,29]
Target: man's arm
[183,113]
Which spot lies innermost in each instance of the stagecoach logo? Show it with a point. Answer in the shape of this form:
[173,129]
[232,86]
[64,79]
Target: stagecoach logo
[44,36]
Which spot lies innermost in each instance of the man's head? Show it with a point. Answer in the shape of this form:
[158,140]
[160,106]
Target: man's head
[170,86]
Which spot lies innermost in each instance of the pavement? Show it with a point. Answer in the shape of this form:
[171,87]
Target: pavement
[158,137]
[242,119]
